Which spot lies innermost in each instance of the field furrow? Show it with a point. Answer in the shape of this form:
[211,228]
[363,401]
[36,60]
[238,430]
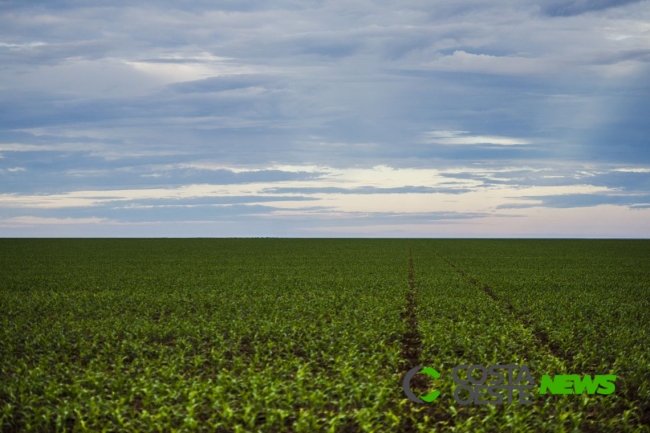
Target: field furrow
[583,303]
[462,323]
[304,335]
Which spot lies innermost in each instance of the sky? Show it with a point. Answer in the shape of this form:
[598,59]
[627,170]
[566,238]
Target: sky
[344,118]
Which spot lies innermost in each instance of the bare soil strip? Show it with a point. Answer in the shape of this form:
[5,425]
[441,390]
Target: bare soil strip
[411,340]
[411,351]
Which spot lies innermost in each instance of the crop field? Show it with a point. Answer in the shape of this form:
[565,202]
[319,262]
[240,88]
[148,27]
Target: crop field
[302,335]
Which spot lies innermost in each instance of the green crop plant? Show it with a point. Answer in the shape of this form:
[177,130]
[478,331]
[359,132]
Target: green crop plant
[584,303]
[314,335]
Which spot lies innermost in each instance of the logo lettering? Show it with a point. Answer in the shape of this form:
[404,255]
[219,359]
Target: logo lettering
[574,384]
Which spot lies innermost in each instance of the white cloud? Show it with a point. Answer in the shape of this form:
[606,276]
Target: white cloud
[465,138]
[22,147]
[25,45]
[633,170]
[36,221]
[179,67]
[479,198]
[488,64]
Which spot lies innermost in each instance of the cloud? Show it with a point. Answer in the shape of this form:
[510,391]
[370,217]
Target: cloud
[461,61]
[300,114]
[176,68]
[35,221]
[582,200]
[66,147]
[633,170]
[368,190]
[465,138]
[561,8]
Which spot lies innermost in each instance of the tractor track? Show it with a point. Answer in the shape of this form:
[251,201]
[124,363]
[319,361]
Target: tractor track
[414,414]
[541,337]
[411,339]
[411,349]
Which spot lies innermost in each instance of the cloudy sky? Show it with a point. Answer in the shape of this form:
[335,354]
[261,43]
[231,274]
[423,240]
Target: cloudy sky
[325,118]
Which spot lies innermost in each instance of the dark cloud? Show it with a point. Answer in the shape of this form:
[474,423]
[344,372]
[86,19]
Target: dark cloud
[625,181]
[40,54]
[641,55]
[61,171]
[220,84]
[303,216]
[565,8]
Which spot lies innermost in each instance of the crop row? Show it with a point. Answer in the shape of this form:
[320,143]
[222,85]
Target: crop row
[314,335]
[225,335]
[562,307]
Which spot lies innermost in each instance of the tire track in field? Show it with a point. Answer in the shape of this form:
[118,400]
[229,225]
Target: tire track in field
[411,354]
[411,339]
[541,337]
[411,349]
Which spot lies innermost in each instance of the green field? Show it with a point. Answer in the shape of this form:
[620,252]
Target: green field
[315,335]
